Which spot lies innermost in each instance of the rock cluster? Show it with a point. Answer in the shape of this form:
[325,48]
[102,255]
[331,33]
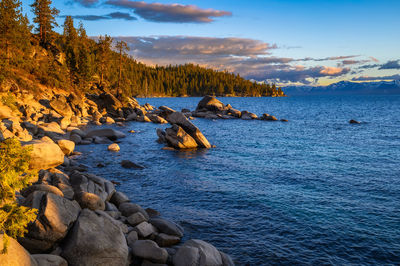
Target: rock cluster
[212,108]
[83,220]
[183,134]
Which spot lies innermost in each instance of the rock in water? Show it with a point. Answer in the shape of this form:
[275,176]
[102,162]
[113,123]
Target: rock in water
[180,119]
[95,239]
[210,103]
[114,147]
[149,250]
[67,146]
[16,255]
[110,133]
[197,252]
[179,139]
[354,122]
[128,164]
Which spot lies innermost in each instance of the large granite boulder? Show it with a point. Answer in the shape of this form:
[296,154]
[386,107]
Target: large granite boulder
[109,133]
[49,260]
[210,103]
[90,201]
[177,137]
[167,227]
[16,255]
[95,239]
[60,104]
[199,253]
[149,250]
[56,215]
[180,119]
[5,111]
[66,146]
[92,184]
[45,154]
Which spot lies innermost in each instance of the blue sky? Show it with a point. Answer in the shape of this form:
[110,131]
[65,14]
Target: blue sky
[284,41]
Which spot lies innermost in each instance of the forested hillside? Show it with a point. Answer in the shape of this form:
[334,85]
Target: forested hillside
[73,61]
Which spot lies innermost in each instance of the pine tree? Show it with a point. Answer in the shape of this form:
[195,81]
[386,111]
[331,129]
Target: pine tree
[45,19]
[70,42]
[14,29]
[14,176]
[122,48]
[103,55]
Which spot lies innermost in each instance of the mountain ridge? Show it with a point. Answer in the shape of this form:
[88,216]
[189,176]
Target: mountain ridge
[346,87]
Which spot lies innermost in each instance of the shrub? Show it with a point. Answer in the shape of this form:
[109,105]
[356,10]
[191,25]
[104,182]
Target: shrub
[14,176]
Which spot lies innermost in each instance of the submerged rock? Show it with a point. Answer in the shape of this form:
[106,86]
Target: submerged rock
[354,122]
[131,165]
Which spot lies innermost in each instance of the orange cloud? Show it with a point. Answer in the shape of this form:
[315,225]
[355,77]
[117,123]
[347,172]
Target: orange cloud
[331,71]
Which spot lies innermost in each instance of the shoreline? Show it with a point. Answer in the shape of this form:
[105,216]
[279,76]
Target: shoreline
[143,237]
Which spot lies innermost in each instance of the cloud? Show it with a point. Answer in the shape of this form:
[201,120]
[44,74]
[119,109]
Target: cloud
[188,47]
[176,13]
[87,3]
[368,78]
[374,59]
[250,58]
[394,64]
[114,15]
[331,58]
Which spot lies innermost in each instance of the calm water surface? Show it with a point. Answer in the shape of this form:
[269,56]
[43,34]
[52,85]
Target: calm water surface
[315,191]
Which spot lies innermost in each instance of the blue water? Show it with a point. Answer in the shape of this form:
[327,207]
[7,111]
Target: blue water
[316,190]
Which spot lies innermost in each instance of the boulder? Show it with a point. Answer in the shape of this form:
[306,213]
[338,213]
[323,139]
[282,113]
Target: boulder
[197,252]
[49,260]
[95,239]
[180,119]
[16,255]
[52,127]
[167,227]
[92,184]
[130,165]
[45,154]
[67,146]
[56,215]
[136,219]
[114,147]
[5,111]
[268,117]
[210,103]
[42,187]
[149,250]
[132,237]
[145,229]
[60,105]
[248,116]
[164,240]
[157,119]
[110,133]
[131,117]
[354,122]
[234,112]
[102,140]
[118,198]
[90,201]
[128,208]
[177,137]
[76,139]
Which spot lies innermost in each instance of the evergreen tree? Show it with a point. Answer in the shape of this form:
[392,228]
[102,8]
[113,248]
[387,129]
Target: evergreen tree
[14,29]
[103,55]
[14,176]
[70,39]
[45,19]
[122,48]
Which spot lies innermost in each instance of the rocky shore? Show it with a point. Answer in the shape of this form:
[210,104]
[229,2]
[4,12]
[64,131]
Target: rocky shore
[82,218]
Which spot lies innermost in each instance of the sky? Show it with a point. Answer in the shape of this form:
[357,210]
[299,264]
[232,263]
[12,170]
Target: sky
[288,42]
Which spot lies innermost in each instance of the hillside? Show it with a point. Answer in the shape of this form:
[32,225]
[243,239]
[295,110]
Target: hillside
[74,62]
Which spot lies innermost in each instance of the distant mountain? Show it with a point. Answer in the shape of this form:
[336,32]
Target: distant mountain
[346,87]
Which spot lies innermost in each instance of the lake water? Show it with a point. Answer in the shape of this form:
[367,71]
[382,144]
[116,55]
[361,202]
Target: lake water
[316,190]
